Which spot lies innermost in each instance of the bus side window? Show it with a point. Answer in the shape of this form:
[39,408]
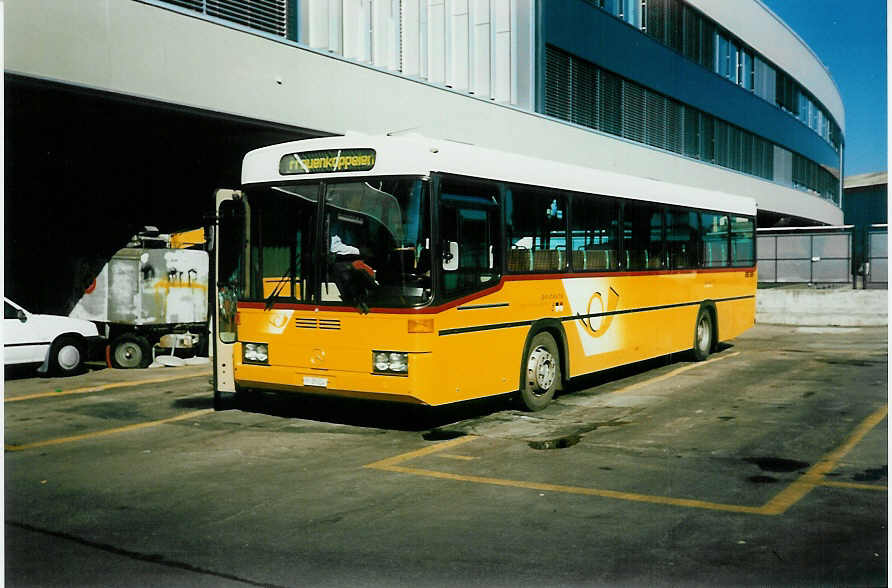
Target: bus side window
[714,232]
[682,238]
[593,240]
[469,233]
[643,236]
[536,225]
[743,249]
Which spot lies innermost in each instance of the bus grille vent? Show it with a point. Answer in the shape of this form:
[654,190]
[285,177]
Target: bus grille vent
[313,323]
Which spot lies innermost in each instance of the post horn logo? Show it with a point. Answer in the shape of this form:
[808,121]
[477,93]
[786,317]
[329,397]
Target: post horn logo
[598,305]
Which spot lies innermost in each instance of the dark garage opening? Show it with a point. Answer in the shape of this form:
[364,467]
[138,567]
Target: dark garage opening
[85,170]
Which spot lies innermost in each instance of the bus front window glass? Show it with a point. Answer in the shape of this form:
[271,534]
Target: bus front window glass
[593,226]
[283,223]
[643,236]
[377,243]
[536,223]
[743,231]
[682,238]
[714,231]
[469,237]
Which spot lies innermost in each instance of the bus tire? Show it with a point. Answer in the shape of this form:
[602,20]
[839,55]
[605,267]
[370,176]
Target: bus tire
[541,372]
[130,351]
[703,335]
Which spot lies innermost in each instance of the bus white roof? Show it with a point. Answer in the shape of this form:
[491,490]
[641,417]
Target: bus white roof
[420,156]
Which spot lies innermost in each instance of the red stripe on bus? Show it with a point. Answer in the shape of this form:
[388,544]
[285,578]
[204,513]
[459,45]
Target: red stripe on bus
[488,291]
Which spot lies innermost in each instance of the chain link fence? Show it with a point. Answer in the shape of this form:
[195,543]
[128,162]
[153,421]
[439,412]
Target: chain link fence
[876,266]
[805,256]
[824,255]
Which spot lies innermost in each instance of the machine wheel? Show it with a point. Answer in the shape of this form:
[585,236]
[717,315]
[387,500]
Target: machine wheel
[541,372]
[130,351]
[67,354]
[703,335]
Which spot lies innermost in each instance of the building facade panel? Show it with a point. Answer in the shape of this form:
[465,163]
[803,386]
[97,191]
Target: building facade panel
[755,23]
[150,50]
[594,35]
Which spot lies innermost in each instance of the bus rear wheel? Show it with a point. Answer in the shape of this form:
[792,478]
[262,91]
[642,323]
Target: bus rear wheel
[703,335]
[541,372]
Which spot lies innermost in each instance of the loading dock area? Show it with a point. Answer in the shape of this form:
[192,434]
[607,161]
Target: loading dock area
[766,464]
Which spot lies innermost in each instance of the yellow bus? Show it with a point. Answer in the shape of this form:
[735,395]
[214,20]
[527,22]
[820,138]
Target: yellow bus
[432,272]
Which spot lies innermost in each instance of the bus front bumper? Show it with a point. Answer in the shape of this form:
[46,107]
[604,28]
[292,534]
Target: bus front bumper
[414,388]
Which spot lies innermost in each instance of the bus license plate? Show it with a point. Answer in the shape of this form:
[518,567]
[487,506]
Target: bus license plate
[313,381]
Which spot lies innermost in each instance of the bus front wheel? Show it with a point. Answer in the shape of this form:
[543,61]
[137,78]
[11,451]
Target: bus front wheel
[541,372]
[703,335]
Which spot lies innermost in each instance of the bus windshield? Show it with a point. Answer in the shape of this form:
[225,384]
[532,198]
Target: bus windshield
[369,248]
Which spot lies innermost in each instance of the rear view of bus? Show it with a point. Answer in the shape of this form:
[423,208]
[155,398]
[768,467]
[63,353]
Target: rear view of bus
[426,272]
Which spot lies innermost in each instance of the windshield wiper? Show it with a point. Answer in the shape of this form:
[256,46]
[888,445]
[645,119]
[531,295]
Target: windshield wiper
[279,286]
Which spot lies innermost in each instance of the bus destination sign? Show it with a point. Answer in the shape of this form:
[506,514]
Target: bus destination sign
[327,161]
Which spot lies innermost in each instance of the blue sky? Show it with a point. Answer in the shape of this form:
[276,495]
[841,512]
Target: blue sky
[850,38]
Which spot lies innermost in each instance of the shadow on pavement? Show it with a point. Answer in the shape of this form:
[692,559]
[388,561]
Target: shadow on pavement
[406,417]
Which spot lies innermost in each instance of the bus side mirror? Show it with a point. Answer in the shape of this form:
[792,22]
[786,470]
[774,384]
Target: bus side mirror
[450,256]
[22,316]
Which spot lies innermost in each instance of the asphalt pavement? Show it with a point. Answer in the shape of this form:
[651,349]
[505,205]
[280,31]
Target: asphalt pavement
[765,465]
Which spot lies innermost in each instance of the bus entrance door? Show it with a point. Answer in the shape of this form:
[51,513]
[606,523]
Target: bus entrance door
[229,242]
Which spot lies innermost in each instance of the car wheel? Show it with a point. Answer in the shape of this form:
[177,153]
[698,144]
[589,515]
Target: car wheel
[130,351]
[67,355]
[541,372]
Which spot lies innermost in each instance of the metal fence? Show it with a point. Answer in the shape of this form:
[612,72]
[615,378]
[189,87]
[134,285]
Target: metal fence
[805,256]
[876,268]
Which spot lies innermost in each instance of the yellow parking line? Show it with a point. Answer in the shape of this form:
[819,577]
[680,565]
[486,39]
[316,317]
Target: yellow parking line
[672,374]
[776,506]
[392,461]
[457,457]
[392,465]
[105,432]
[104,387]
[815,475]
[578,490]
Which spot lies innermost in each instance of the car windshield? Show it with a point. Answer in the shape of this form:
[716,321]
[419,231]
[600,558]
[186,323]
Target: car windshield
[369,248]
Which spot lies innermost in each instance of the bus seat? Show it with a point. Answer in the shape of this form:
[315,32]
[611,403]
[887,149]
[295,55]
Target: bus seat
[636,260]
[547,260]
[520,260]
[597,259]
[654,261]
[578,260]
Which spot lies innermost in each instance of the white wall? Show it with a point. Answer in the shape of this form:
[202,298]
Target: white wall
[483,47]
[139,49]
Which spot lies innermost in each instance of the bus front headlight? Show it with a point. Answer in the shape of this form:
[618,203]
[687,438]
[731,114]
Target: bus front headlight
[390,362]
[255,353]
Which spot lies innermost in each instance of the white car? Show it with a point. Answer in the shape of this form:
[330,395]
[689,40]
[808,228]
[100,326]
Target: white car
[59,343]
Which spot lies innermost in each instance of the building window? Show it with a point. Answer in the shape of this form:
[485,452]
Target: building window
[684,29]
[582,93]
